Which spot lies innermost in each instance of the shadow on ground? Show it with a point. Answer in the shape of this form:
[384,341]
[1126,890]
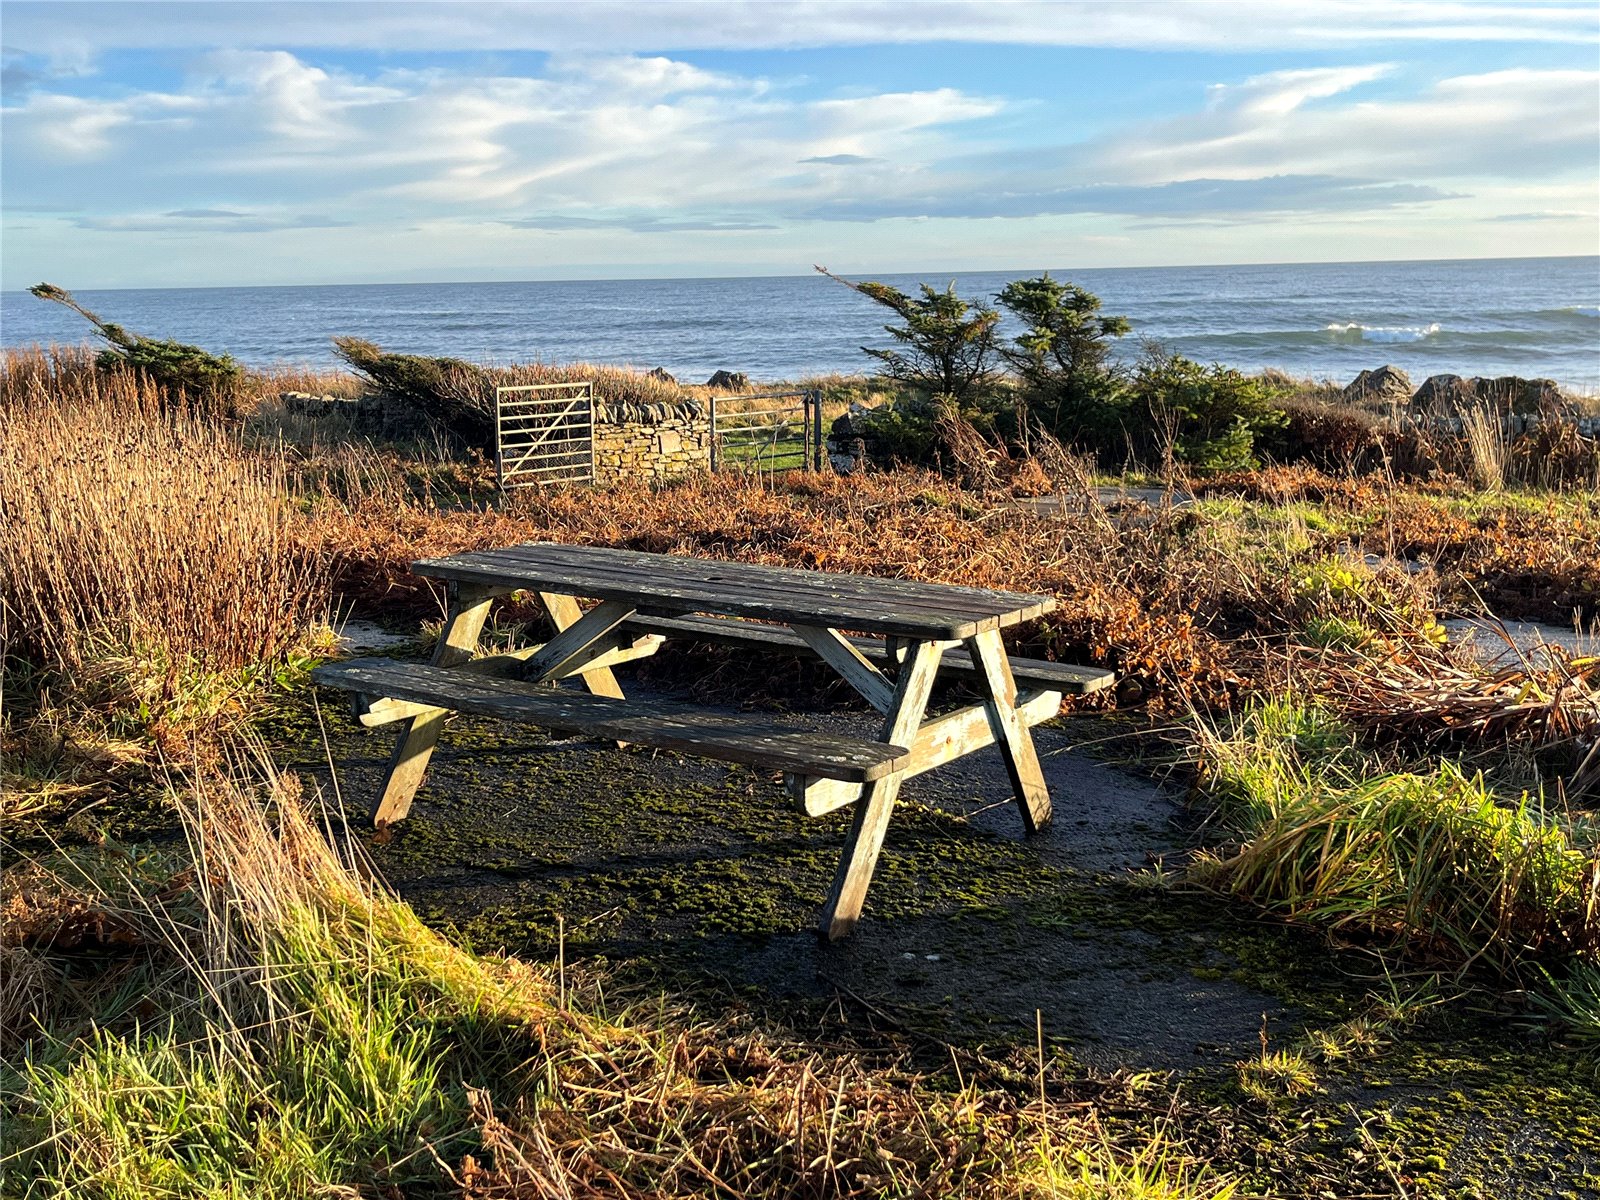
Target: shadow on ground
[682,867]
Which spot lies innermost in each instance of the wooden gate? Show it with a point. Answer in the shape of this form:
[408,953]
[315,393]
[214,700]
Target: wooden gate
[544,433]
[767,431]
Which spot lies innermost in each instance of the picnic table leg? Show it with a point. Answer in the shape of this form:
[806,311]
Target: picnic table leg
[458,641]
[564,612]
[871,815]
[1010,731]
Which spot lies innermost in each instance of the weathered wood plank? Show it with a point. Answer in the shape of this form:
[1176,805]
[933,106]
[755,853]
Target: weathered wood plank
[1010,731]
[1064,677]
[640,566]
[817,606]
[871,817]
[373,711]
[673,727]
[458,641]
[914,609]
[941,740]
[941,600]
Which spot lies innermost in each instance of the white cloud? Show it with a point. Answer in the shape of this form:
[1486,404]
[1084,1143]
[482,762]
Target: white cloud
[1281,92]
[1520,122]
[650,133]
[77,30]
[637,157]
[71,128]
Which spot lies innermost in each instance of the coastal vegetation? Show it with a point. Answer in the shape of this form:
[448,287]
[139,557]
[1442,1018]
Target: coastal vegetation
[186,374]
[205,988]
[1057,377]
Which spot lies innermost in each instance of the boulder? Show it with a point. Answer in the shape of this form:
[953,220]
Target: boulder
[1444,392]
[733,381]
[1503,394]
[1514,394]
[664,375]
[1386,385]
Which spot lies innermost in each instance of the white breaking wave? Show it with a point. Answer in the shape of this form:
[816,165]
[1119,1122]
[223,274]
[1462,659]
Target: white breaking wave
[1584,310]
[1384,333]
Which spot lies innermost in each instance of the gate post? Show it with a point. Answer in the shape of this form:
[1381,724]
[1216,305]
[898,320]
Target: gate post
[819,441]
[716,464]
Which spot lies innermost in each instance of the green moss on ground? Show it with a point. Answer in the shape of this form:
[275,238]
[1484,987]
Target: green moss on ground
[674,873]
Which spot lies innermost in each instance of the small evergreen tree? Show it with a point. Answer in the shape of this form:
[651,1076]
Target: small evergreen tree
[197,375]
[947,344]
[1062,358]
[456,394]
[1067,337]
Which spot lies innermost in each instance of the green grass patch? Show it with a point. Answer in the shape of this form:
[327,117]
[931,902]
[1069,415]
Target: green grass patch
[1432,861]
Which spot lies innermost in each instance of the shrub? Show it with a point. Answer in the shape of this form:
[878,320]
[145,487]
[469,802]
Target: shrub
[449,391]
[948,344]
[186,372]
[1555,454]
[1330,436]
[1212,414]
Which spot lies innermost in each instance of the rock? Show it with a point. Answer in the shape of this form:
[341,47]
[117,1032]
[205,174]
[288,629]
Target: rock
[1504,394]
[664,375]
[1443,392]
[733,381]
[1386,385]
[1514,394]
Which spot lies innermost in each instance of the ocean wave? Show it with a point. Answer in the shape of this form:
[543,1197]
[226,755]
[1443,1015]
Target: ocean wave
[1356,332]
[1582,310]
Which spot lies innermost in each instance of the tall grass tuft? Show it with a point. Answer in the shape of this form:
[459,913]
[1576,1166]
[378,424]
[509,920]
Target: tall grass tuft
[130,530]
[1488,450]
[296,1049]
[1431,862]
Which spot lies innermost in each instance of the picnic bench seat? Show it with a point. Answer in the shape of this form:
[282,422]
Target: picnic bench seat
[1067,678]
[647,723]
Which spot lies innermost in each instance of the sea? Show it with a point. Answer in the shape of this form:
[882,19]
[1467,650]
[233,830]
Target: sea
[1517,316]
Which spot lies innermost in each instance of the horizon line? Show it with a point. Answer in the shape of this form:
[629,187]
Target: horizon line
[804,274]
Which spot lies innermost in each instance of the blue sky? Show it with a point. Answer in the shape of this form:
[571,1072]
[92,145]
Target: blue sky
[233,142]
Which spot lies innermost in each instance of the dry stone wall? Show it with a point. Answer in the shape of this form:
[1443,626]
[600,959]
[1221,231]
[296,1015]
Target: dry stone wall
[651,442]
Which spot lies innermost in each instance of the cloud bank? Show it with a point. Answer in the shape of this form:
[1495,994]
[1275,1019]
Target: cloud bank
[629,155]
[88,28]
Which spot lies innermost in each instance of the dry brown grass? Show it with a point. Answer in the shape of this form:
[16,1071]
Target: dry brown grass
[130,530]
[1138,594]
[1488,450]
[45,370]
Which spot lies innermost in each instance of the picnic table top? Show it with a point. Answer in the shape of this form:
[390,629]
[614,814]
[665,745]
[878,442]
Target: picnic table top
[670,583]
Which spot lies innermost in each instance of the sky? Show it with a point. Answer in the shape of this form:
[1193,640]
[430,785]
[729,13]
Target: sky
[150,144]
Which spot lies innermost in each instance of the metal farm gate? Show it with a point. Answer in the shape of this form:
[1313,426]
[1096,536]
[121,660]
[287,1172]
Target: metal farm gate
[767,431]
[544,433]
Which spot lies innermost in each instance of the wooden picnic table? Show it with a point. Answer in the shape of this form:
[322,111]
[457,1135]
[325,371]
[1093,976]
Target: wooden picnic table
[903,633]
